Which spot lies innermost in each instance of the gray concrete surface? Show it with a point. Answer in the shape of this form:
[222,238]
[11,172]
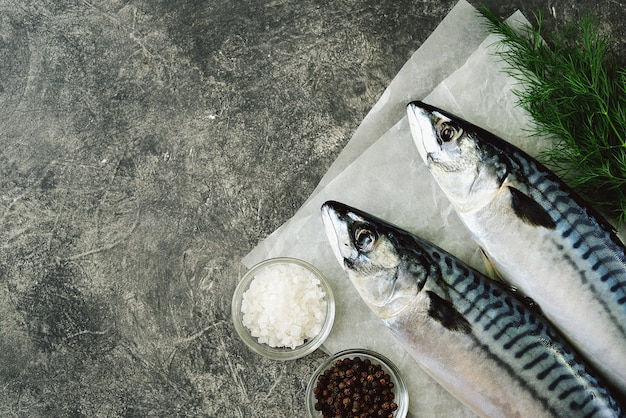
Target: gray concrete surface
[146,146]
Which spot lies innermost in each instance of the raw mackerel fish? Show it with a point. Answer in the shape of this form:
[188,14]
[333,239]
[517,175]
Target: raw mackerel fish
[537,234]
[478,339]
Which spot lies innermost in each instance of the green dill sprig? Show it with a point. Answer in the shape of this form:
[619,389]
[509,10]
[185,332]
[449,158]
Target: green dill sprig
[576,94]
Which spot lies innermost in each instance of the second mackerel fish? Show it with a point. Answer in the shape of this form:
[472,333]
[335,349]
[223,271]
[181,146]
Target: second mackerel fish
[481,342]
[538,235]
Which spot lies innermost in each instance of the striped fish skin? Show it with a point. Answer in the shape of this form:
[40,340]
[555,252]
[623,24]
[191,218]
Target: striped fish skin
[471,334]
[537,233]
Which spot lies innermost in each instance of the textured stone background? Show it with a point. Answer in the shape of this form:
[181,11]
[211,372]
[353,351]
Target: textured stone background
[147,145]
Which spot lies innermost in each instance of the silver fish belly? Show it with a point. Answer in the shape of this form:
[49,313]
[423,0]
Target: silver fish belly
[471,334]
[537,233]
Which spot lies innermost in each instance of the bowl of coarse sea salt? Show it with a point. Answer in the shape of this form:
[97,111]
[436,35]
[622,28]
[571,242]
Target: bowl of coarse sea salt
[283,308]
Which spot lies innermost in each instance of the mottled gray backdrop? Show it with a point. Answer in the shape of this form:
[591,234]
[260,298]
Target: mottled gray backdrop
[146,146]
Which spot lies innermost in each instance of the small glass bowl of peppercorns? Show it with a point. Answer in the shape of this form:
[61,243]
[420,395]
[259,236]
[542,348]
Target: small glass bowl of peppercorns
[357,383]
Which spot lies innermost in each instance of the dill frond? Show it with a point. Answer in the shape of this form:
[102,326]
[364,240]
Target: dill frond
[576,94]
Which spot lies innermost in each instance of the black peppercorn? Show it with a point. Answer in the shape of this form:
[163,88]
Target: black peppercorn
[355,388]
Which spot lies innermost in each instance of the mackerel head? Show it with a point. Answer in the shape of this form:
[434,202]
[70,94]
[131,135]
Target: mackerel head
[538,235]
[481,342]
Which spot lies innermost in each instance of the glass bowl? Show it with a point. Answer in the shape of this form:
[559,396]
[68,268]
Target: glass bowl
[282,353]
[399,389]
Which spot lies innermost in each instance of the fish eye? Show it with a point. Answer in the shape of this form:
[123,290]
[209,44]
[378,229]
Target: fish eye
[449,132]
[364,238]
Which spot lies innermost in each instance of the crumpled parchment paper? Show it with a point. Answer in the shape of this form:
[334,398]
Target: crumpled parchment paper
[381,172]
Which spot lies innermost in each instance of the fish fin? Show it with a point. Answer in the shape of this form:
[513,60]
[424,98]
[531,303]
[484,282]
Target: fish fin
[446,314]
[494,274]
[529,302]
[529,211]
[491,270]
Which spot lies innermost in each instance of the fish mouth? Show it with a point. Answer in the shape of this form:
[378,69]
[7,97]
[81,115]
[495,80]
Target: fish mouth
[422,129]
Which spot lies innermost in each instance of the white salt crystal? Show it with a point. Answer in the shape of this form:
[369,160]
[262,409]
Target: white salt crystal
[284,306]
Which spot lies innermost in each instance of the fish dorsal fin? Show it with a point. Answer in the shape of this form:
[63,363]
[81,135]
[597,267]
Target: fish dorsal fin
[529,302]
[529,211]
[494,274]
[446,314]
[490,269]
